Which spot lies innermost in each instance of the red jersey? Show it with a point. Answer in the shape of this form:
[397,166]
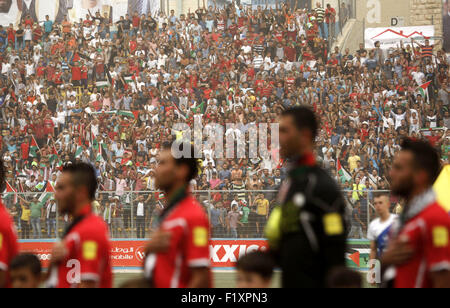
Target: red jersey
[427,230]
[8,241]
[88,243]
[189,244]
[76,73]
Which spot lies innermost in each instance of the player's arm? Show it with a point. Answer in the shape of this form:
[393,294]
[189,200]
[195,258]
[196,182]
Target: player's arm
[199,278]
[437,253]
[86,284]
[373,250]
[2,279]
[441,279]
[197,253]
[3,260]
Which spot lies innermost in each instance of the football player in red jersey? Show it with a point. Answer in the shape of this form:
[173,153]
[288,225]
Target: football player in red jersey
[8,238]
[419,251]
[178,253]
[82,258]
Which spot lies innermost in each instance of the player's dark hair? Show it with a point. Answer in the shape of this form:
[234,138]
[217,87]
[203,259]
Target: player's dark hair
[381,194]
[425,157]
[258,262]
[2,175]
[83,175]
[304,118]
[343,277]
[28,261]
[190,161]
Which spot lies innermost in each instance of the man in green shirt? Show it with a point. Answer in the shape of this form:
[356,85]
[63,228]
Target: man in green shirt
[245,212]
[37,210]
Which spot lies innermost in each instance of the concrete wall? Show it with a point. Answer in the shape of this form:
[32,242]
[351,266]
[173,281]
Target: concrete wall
[181,6]
[379,13]
[427,12]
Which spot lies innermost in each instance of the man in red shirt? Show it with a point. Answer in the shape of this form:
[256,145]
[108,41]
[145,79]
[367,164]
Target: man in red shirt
[8,238]
[178,254]
[76,74]
[418,255]
[82,258]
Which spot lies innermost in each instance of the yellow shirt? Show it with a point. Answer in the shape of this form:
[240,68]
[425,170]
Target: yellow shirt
[352,162]
[262,207]
[25,214]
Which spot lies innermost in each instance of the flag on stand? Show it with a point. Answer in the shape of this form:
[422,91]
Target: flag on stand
[99,150]
[423,89]
[10,191]
[200,108]
[343,174]
[34,148]
[48,193]
[127,113]
[79,150]
[54,155]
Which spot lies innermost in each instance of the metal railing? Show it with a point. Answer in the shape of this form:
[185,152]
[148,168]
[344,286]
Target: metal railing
[134,214]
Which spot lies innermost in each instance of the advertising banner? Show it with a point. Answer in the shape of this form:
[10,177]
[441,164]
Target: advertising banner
[129,254]
[392,36]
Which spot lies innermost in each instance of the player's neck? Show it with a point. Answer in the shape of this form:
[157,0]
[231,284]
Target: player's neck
[417,191]
[172,191]
[385,216]
[81,208]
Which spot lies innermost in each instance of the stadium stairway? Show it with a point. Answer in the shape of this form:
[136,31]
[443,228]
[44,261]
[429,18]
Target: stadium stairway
[351,36]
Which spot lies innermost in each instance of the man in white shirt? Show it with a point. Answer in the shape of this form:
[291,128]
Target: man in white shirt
[140,217]
[378,232]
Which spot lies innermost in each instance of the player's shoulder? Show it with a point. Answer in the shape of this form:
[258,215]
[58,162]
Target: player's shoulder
[436,214]
[192,209]
[374,223]
[92,226]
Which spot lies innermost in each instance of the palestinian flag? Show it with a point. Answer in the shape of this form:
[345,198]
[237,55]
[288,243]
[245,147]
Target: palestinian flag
[130,114]
[99,156]
[48,193]
[10,191]
[54,155]
[34,148]
[343,174]
[126,162]
[102,84]
[200,107]
[59,165]
[79,150]
[423,89]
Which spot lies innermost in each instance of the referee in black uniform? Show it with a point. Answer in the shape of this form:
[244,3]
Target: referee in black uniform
[307,231]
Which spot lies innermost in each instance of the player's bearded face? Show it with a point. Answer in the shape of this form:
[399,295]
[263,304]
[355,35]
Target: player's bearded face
[165,171]
[65,194]
[402,174]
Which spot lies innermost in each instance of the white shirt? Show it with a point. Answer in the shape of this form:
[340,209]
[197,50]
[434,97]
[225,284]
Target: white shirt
[379,232]
[140,209]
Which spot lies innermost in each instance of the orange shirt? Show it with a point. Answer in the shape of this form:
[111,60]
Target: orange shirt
[66,26]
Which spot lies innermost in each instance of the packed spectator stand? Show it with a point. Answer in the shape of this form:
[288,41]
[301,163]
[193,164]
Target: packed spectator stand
[110,93]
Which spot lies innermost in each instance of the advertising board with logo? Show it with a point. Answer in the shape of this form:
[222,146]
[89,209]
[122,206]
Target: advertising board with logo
[392,37]
[130,254]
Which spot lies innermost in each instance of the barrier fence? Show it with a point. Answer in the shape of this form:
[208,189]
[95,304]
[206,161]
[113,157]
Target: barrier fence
[238,214]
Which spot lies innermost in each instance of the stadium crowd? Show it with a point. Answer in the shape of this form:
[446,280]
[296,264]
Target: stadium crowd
[110,93]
